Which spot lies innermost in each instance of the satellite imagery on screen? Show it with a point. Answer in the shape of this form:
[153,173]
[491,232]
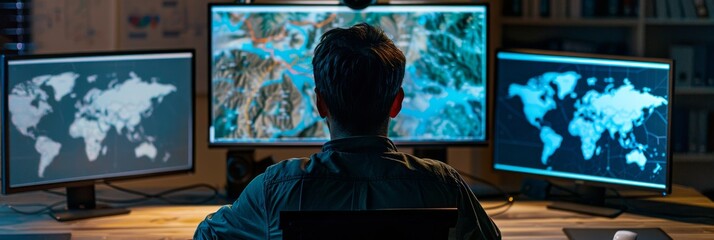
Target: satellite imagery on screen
[590,119]
[73,120]
[263,86]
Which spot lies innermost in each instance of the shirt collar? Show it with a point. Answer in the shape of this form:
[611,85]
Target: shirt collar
[362,144]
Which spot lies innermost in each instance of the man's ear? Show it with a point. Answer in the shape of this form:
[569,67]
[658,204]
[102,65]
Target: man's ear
[397,104]
[321,105]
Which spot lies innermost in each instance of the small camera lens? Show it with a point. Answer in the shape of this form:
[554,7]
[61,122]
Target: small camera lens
[357,4]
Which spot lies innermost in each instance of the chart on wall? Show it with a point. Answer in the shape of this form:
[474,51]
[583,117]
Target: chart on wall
[73,25]
[162,23]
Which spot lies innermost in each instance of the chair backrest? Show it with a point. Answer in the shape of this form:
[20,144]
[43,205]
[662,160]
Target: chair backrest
[422,223]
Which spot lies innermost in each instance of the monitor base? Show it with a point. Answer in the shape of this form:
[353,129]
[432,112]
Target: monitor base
[586,209]
[582,199]
[77,214]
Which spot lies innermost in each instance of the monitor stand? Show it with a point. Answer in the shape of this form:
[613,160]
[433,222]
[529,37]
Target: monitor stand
[591,202]
[81,204]
[435,153]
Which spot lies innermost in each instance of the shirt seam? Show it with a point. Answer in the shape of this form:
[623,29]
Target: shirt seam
[358,179]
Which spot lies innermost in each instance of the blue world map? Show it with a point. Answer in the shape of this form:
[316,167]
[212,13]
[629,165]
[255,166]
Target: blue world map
[617,110]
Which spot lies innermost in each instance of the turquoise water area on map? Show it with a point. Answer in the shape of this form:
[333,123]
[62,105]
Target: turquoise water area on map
[262,84]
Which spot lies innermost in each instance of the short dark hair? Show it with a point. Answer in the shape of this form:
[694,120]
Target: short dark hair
[358,73]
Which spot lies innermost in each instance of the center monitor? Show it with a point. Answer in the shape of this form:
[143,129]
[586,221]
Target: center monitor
[262,86]
[589,118]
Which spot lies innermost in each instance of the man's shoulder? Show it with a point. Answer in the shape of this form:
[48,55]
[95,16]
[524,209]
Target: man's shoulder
[291,164]
[435,163]
[430,166]
[288,167]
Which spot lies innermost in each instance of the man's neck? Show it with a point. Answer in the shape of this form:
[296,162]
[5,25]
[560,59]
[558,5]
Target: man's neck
[337,133]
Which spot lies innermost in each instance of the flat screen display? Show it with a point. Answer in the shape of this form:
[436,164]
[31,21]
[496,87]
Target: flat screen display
[262,85]
[594,119]
[97,116]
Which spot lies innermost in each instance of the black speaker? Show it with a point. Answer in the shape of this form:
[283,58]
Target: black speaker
[241,168]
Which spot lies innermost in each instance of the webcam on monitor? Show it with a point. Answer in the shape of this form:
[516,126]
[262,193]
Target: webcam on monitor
[357,4]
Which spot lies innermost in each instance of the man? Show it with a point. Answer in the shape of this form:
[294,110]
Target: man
[358,77]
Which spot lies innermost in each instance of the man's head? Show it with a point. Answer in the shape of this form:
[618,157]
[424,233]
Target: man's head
[358,78]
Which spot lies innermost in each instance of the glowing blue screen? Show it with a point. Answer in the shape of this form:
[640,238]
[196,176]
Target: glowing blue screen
[593,119]
[262,86]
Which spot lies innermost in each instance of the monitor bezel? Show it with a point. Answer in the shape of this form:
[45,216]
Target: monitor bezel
[7,188]
[668,182]
[434,143]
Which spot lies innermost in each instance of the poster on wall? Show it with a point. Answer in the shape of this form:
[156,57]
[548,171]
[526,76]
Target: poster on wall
[66,26]
[152,24]
[166,24]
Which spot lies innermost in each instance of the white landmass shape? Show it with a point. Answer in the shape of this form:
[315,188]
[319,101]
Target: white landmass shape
[93,133]
[63,84]
[25,115]
[121,106]
[48,150]
[146,149]
[92,78]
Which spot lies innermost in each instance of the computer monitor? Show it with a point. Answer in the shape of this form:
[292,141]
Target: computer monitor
[262,86]
[73,120]
[594,119]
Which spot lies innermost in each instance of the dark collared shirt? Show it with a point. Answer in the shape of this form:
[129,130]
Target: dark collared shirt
[354,173]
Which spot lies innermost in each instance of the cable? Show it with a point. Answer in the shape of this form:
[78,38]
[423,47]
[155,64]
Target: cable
[144,197]
[161,195]
[106,200]
[509,199]
[502,211]
[147,196]
[45,208]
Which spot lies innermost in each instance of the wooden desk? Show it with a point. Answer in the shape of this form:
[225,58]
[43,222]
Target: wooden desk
[532,220]
[525,220]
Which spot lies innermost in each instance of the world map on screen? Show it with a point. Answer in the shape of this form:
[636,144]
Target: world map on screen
[77,118]
[120,107]
[579,118]
[616,111]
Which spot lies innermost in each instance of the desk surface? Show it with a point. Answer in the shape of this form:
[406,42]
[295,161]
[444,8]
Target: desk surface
[525,220]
